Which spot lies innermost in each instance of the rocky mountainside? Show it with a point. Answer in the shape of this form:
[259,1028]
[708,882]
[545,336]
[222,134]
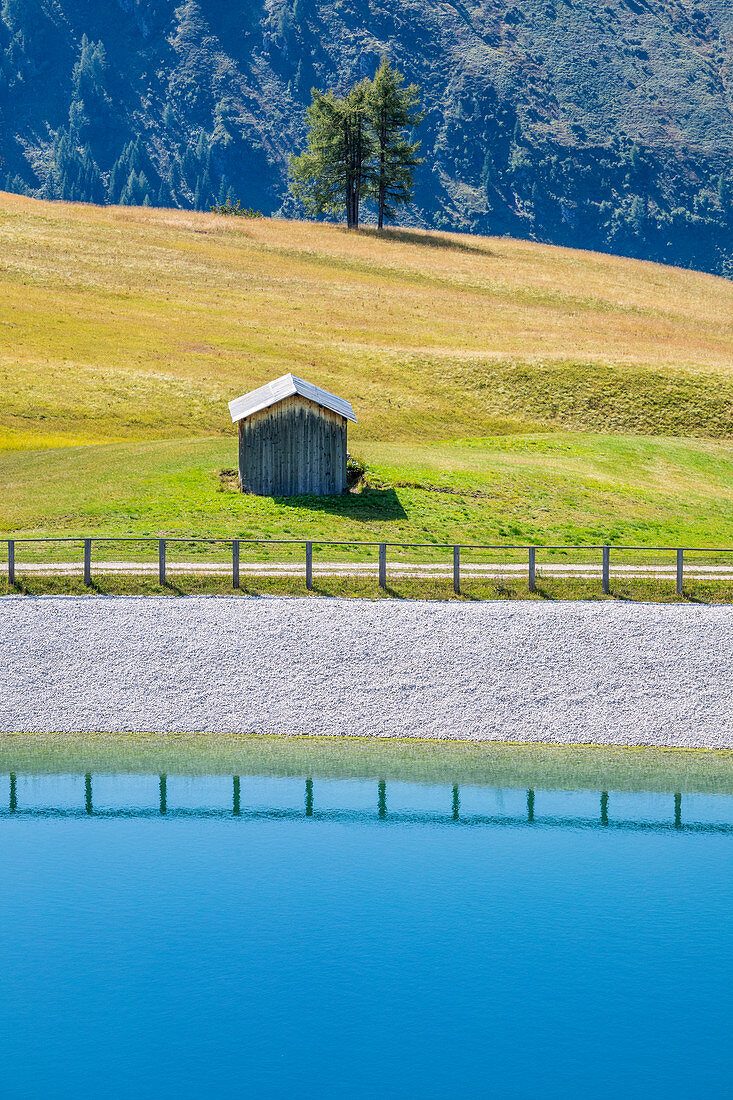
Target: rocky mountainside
[569,121]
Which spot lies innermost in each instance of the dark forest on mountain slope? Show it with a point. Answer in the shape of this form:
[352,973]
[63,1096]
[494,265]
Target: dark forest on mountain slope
[606,127]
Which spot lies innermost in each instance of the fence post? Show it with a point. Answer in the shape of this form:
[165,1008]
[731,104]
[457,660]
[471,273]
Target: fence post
[161,561]
[87,562]
[11,561]
[383,565]
[235,563]
[680,570]
[457,570]
[309,566]
[532,586]
[606,570]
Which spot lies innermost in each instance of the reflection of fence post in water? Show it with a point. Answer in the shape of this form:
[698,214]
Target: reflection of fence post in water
[458,813]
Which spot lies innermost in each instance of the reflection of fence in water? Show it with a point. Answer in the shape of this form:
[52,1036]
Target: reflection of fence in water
[380,813]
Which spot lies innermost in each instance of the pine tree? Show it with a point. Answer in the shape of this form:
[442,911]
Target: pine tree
[636,217]
[127,196]
[393,109]
[75,175]
[207,190]
[360,149]
[89,111]
[175,178]
[336,169]
[118,178]
[189,165]
[78,120]
[135,190]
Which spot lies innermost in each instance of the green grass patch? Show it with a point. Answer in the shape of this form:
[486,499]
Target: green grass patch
[488,763]
[505,391]
[557,488]
[647,591]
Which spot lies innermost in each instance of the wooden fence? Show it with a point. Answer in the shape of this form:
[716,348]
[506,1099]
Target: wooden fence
[235,544]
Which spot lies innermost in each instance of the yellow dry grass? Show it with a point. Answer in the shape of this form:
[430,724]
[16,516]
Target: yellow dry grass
[120,323]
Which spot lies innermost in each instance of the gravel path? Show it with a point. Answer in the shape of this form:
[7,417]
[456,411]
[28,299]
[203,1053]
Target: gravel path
[611,673]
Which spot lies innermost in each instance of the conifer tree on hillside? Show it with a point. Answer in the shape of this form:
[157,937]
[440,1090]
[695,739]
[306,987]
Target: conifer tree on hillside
[357,149]
[393,109]
[336,168]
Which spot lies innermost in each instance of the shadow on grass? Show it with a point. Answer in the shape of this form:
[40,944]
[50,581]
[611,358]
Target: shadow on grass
[427,240]
[688,597]
[173,589]
[371,504]
[374,593]
[543,594]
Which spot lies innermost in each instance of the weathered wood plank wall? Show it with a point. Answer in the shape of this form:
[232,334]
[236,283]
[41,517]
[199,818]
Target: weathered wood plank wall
[292,448]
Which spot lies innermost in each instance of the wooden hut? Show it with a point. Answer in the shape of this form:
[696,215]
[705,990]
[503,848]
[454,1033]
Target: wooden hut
[292,439]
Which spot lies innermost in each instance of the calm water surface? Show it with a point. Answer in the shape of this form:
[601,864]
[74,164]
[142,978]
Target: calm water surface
[196,936]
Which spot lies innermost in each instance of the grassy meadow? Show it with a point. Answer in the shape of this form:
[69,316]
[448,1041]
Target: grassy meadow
[505,391]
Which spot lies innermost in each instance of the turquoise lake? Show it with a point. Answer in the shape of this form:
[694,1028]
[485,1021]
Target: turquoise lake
[363,933]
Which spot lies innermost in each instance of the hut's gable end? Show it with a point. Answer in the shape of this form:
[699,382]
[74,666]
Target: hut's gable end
[287,386]
[293,448]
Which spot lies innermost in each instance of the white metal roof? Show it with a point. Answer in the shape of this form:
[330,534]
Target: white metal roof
[287,386]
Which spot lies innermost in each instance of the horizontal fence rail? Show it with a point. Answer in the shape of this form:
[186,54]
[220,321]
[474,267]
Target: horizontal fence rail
[235,545]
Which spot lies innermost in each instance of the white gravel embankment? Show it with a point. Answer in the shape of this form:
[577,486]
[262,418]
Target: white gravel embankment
[609,673]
